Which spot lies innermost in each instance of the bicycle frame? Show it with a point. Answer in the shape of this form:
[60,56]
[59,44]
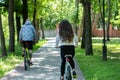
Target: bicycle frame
[68,69]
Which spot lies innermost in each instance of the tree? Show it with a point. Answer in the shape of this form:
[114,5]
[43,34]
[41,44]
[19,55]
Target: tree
[42,28]
[34,13]
[2,39]
[80,31]
[11,26]
[35,22]
[109,10]
[18,11]
[87,25]
[25,10]
[18,26]
[76,15]
[83,31]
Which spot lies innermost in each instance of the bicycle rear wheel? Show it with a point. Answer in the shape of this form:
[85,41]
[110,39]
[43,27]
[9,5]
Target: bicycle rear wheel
[68,74]
[26,63]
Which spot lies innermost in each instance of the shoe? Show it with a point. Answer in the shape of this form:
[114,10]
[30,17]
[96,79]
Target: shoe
[74,74]
[30,63]
[61,78]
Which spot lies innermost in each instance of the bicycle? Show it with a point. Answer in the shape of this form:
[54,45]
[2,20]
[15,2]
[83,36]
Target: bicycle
[68,69]
[26,59]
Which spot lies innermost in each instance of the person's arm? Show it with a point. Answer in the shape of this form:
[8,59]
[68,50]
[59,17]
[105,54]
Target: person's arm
[20,35]
[34,34]
[57,39]
[75,40]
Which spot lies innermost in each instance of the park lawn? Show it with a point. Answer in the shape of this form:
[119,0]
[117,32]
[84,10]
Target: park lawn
[94,68]
[9,62]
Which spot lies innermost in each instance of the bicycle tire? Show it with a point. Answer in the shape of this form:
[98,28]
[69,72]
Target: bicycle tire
[68,76]
[26,63]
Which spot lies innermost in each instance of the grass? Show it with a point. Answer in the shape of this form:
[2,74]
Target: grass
[9,62]
[94,68]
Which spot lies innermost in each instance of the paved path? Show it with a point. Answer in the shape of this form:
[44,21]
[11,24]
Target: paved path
[46,66]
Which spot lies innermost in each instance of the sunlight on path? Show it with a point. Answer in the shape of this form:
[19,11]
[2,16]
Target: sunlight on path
[46,66]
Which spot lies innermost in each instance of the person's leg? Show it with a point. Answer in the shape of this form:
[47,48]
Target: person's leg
[23,48]
[30,54]
[73,67]
[72,52]
[63,66]
[30,47]
[72,63]
[63,62]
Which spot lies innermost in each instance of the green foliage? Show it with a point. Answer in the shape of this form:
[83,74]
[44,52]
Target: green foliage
[53,11]
[94,68]
[18,6]
[74,14]
[116,21]
[4,6]
[5,26]
[115,12]
[95,6]
[7,63]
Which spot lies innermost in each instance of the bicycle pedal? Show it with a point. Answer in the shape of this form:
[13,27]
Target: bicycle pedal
[30,63]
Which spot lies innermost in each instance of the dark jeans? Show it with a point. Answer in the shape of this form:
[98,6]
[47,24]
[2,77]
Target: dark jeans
[67,49]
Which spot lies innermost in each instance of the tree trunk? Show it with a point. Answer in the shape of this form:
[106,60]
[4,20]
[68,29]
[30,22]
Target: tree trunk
[2,39]
[34,15]
[108,20]
[83,33]
[88,35]
[25,10]
[76,16]
[37,30]
[87,26]
[42,28]
[18,26]
[11,26]
[95,20]
[35,22]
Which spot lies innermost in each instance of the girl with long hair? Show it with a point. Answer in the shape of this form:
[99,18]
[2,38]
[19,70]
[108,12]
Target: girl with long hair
[67,40]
